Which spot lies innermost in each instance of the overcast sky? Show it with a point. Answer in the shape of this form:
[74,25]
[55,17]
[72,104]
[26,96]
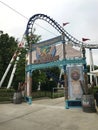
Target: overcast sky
[81,14]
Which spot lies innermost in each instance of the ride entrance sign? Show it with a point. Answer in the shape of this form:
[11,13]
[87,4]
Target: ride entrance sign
[46,51]
[46,54]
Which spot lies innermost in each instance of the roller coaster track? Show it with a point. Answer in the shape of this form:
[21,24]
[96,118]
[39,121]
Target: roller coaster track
[59,28]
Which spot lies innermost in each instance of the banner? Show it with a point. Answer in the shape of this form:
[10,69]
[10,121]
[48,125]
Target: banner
[46,54]
[75,75]
[47,51]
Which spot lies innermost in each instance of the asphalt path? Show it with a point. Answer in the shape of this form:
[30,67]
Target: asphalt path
[45,114]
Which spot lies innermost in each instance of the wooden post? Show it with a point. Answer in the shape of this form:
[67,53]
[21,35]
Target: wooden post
[64,67]
[85,71]
[29,76]
[30,87]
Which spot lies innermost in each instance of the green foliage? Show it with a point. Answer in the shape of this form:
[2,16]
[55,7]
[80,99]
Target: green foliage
[50,82]
[38,76]
[39,94]
[8,46]
[20,70]
[44,79]
[6,94]
[46,86]
[88,68]
[95,89]
[32,39]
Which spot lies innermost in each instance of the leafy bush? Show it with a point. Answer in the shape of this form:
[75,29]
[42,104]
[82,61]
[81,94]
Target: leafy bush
[6,94]
[48,86]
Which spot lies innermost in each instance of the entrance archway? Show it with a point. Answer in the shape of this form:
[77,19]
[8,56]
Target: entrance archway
[38,61]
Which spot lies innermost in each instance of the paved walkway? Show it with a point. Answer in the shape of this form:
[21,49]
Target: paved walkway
[45,114]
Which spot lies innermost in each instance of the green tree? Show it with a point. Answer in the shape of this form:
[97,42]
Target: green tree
[51,78]
[8,46]
[38,76]
[20,69]
[21,64]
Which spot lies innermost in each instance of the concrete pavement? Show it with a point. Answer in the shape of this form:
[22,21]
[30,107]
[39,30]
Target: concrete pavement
[45,114]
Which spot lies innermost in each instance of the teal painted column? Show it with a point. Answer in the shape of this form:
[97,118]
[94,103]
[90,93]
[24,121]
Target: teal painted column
[65,83]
